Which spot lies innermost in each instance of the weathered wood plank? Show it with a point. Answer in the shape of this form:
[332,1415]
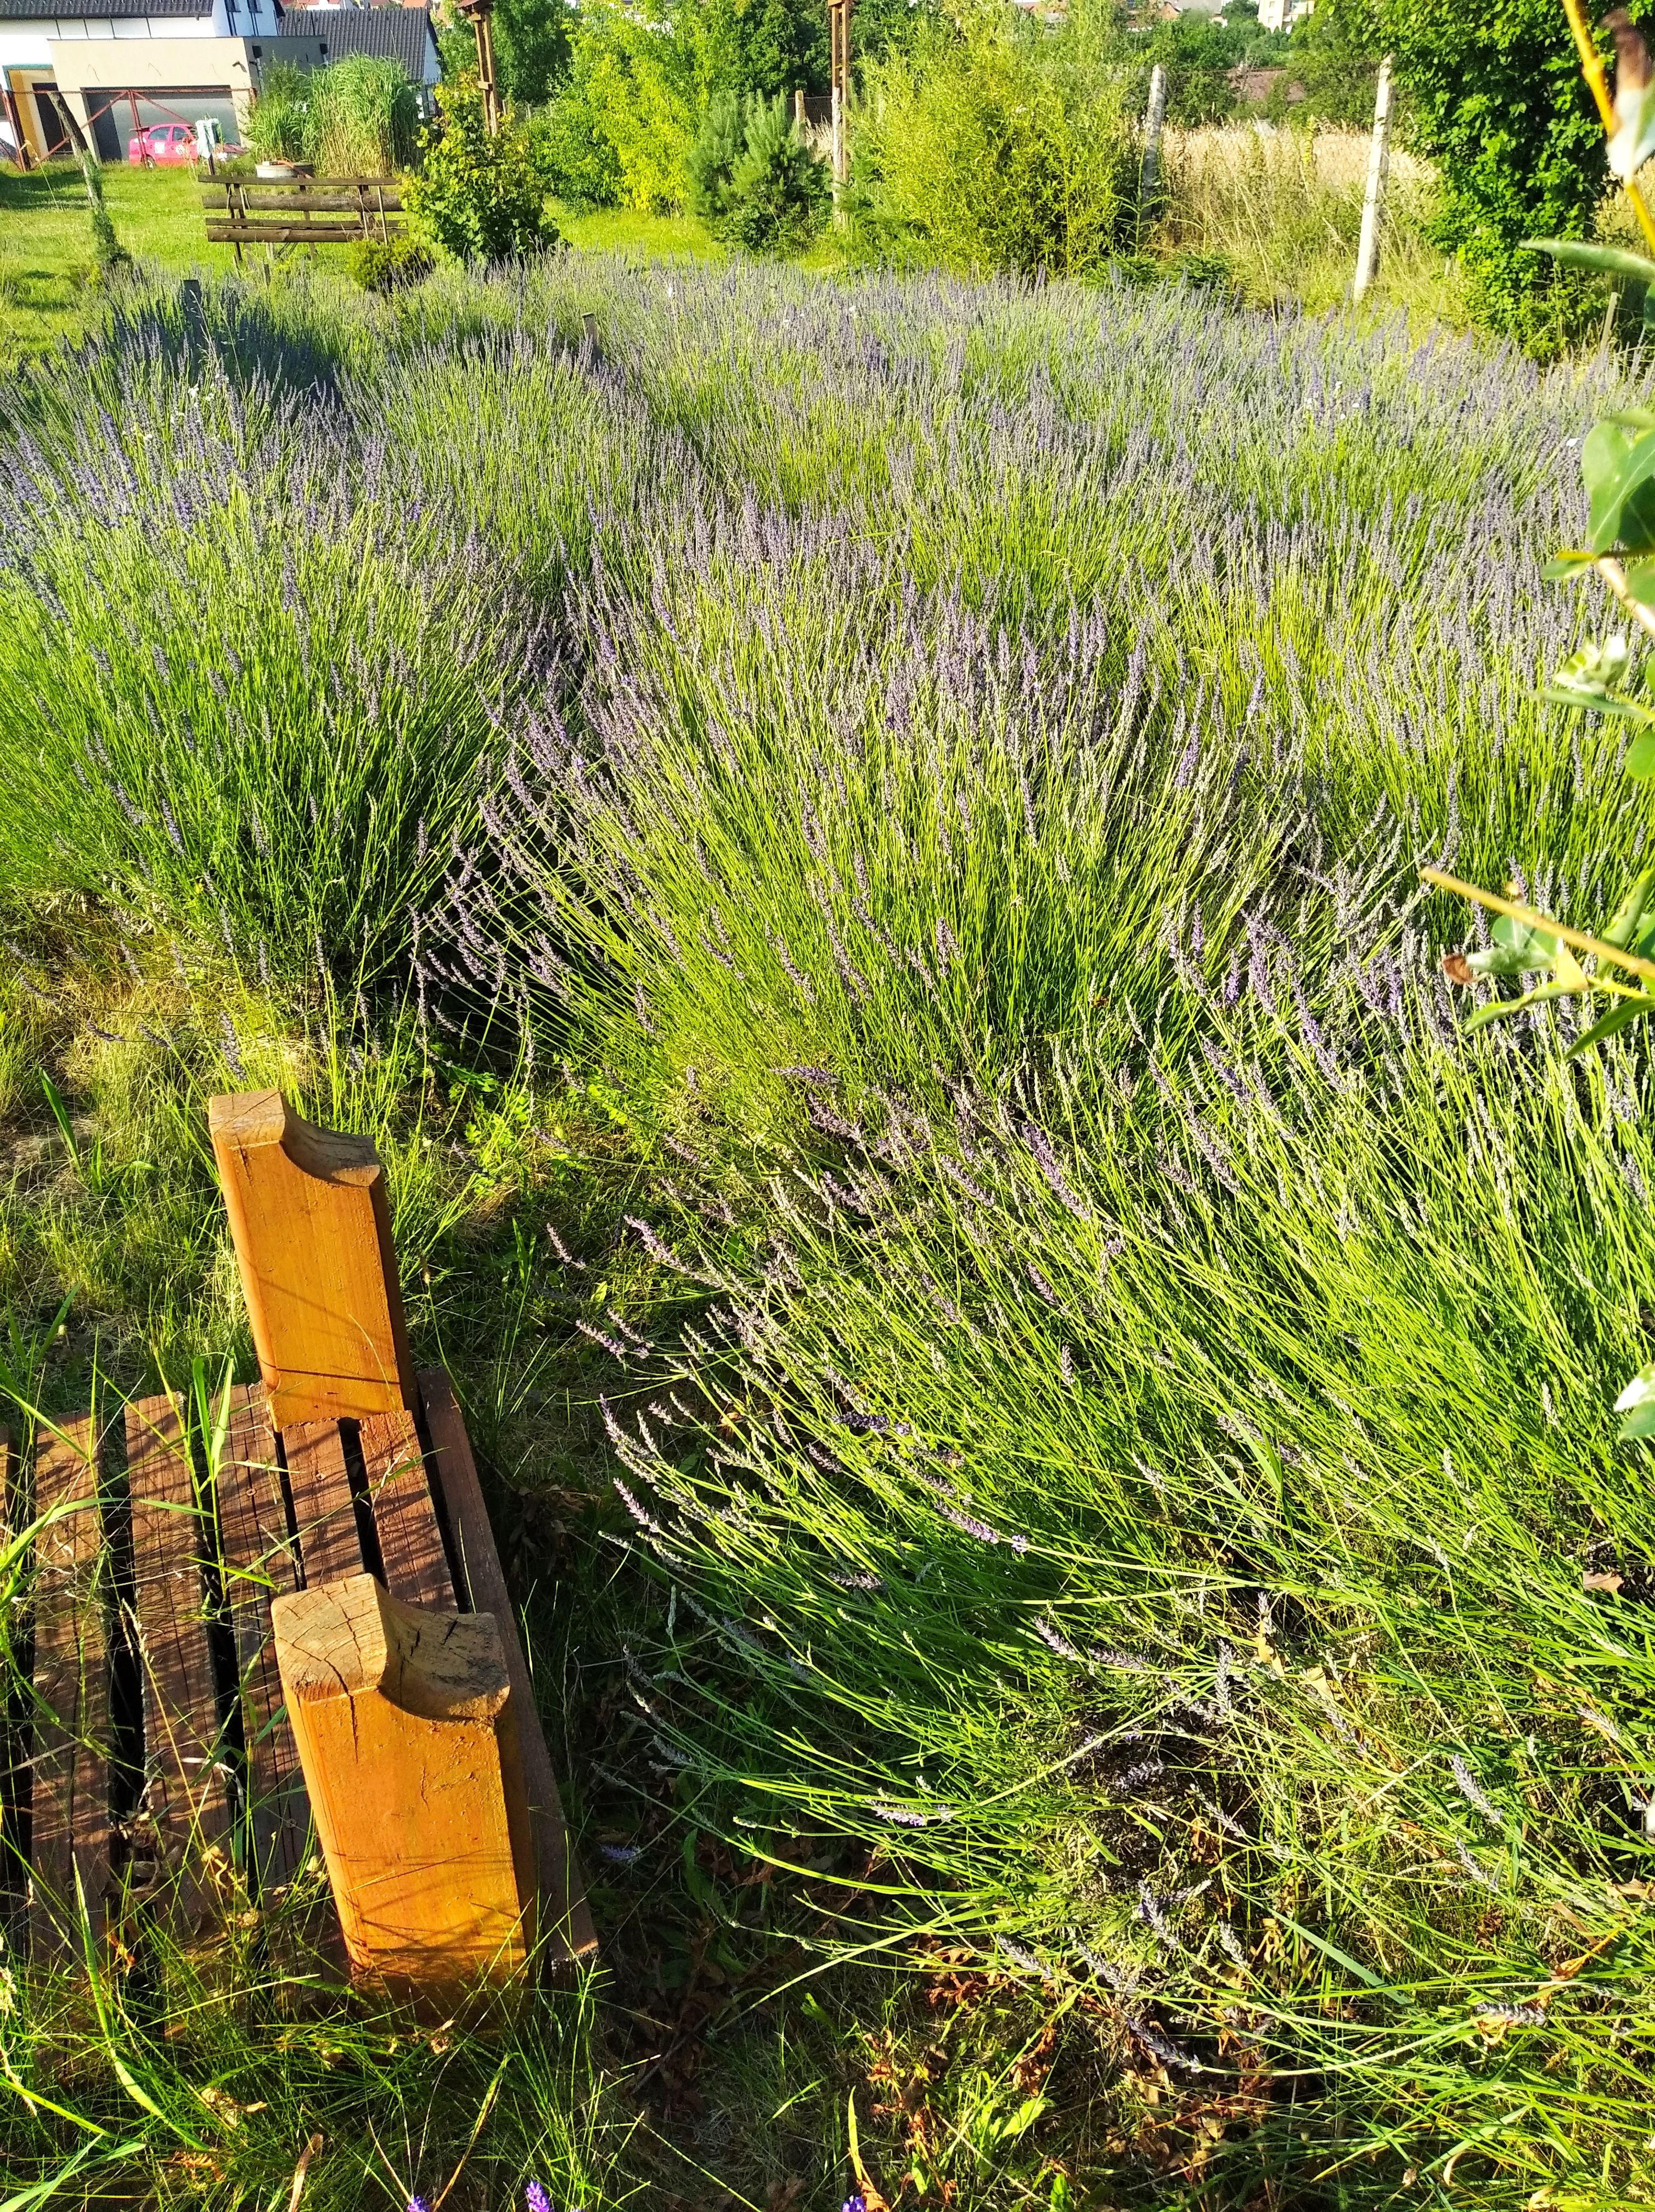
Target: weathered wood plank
[291,234]
[565,1922]
[259,1565]
[405,1721]
[411,1537]
[272,195]
[324,1511]
[70,1825]
[312,1228]
[184,1788]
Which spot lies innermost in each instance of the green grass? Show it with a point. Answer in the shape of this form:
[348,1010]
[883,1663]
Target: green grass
[1049,1408]
[625,231]
[46,244]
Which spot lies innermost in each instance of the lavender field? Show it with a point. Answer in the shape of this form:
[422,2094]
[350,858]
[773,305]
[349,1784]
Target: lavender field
[856,845]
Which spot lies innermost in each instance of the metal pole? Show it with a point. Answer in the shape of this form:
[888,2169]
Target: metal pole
[1378,165]
[1149,176]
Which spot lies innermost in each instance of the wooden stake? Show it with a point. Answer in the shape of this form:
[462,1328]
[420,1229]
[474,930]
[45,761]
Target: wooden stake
[839,40]
[312,1227]
[1149,175]
[406,1731]
[1378,168]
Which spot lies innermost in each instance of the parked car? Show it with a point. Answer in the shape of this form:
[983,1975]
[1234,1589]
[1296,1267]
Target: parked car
[162,142]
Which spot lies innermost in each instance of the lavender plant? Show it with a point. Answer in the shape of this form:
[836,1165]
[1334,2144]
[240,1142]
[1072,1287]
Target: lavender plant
[1096,1379]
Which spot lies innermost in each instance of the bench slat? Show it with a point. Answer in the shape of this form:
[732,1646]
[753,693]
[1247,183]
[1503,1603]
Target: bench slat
[182,1734]
[258,1566]
[273,199]
[324,1511]
[410,1538]
[285,233]
[565,1921]
[69,1829]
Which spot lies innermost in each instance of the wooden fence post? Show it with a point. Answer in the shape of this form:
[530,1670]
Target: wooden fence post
[1149,175]
[1378,168]
[312,1229]
[407,1734]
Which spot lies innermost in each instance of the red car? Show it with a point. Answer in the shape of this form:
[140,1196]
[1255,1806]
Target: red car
[161,143]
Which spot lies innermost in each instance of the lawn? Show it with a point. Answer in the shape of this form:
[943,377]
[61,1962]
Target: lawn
[46,287]
[45,250]
[857,848]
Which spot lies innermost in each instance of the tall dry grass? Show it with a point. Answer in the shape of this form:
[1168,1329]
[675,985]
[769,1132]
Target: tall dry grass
[1284,208]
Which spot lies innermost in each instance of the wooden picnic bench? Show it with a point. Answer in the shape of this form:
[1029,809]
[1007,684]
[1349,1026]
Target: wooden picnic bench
[300,211]
[271,1620]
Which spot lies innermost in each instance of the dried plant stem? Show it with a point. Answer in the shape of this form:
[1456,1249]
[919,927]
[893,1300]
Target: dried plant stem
[1615,577]
[1578,939]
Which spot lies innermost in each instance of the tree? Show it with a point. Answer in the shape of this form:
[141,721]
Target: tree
[765,48]
[532,46]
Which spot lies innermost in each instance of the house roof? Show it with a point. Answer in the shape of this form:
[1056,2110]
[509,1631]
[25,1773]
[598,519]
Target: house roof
[391,33]
[46,11]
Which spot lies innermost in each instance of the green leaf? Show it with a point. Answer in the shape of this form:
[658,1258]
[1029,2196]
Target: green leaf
[1517,950]
[1641,757]
[1620,1016]
[1636,1402]
[1631,925]
[1613,260]
[1640,582]
[1617,461]
[1500,1009]
[1572,562]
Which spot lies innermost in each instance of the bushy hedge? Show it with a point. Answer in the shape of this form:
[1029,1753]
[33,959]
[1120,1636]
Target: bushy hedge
[998,149]
[477,196]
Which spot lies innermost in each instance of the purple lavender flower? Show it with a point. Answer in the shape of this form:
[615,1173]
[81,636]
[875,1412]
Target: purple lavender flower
[417,2203]
[535,2197]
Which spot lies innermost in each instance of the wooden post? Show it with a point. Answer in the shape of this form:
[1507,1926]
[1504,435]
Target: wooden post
[1378,165]
[839,40]
[798,109]
[312,1228]
[481,12]
[1149,175]
[407,1734]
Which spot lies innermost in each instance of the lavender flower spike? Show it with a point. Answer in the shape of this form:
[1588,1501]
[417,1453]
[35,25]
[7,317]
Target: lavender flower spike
[417,2203]
[535,2197]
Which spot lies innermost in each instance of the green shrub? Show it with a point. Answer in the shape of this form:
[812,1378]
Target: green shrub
[363,119]
[477,196]
[358,118]
[620,130]
[388,264]
[1496,99]
[993,153]
[752,178]
[711,161]
[779,191]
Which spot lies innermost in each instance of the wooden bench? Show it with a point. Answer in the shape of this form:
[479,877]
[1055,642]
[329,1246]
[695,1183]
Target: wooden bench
[272,1619]
[300,211]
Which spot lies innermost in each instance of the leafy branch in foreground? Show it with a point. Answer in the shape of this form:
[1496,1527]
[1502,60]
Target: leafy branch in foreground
[1617,461]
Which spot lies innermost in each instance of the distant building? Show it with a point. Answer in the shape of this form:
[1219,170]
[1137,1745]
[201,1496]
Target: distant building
[1283,14]
[106,70]
[398,32]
